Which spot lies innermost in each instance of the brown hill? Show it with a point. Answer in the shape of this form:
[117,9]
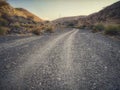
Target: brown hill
[109,15]
[27,14]
[17,20]
[6,9]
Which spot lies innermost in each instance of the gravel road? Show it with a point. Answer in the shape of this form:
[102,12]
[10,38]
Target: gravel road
[68,59]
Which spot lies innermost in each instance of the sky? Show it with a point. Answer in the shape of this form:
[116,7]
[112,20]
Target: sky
[53,9]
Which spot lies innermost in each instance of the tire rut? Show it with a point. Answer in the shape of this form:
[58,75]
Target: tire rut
[34,61]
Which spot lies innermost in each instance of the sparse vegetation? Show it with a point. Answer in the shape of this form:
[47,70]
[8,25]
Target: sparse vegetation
[81,27]
[108,29]
[49,29]
[70,25]
[3,22]
[37,30]
[20,20]
[16,25]
[97,28]
[3,30]
[112,30]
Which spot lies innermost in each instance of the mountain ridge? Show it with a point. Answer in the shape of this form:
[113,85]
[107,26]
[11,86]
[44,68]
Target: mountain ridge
[108,15]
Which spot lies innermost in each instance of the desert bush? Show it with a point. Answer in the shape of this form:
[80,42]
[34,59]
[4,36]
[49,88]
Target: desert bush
[78,27]
[81,27]
[3,30]
[37,30]
[98,27]
[112,30]
[49,29]
[28,25]
[70,25]
[3,22]
[17,25]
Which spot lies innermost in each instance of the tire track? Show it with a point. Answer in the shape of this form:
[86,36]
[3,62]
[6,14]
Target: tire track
[66,72]
[34,61]
[75,60]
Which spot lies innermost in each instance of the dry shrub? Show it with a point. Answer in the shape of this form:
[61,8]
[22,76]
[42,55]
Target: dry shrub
[112,30]
[98,28]
[4,30]
[37,30]
[17,25]
[50,29]
[3,22]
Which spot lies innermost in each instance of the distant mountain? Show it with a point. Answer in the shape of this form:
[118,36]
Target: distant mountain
[67,21]
[63,19]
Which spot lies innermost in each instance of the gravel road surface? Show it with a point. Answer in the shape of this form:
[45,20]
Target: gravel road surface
[68,59]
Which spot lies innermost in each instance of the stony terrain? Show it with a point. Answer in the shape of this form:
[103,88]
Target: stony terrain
[69,59]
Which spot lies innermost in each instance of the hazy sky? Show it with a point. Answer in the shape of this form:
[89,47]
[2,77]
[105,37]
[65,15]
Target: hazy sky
[52,9]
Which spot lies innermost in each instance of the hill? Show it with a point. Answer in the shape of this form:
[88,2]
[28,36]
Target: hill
[109,15]
[7,9]
[17,20]
[63,19]
[27,14]
[67,21]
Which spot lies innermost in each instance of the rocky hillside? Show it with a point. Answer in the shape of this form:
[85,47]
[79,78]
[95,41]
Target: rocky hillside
[109,15]
[6,9]
[24,13]
[17,20]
